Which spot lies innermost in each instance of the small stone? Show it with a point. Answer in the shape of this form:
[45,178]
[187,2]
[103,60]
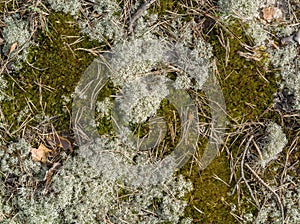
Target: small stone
[287,40]
[290,39]
[296,37]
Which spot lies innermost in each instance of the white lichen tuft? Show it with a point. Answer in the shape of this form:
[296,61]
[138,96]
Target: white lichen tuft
[142,97]
[286,59]
[3,86]
[245,10]
[135,58]
[258,32]
[104,107]
[242,9]
[16,33]
[270,214]
[276,141]
[66,6]
[103,21]
[85,196]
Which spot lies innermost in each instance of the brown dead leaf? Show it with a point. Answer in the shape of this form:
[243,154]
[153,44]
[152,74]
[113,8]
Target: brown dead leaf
[40,154]
[272,13]
[13,47]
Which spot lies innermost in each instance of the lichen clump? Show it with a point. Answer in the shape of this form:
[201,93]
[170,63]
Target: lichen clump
[275,143]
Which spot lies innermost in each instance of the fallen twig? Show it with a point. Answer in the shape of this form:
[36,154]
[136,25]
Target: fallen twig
[139,13]
[270,189]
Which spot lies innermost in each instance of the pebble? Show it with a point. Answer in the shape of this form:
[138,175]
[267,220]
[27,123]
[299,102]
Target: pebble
[296,37]
[290,39]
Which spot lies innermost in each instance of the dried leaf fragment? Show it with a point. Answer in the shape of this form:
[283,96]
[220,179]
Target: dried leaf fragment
[40,154]
[13,47]
[272,13]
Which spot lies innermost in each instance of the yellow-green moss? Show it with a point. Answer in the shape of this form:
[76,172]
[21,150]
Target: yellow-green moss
[210,202]
[249,98]
[54,67]
[247,94]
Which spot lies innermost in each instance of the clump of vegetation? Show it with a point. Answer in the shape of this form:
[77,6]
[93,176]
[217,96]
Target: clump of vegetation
[235,40]
[274,144]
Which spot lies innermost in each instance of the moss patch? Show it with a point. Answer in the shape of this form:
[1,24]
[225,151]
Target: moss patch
[209,202]
[247,86]
[248,91]
[53,70]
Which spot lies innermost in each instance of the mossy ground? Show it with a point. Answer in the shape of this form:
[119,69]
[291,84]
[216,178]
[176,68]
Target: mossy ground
[54,67]
[247,94]
[249,98]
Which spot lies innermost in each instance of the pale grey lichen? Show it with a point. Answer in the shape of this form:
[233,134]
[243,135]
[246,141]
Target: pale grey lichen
[286,60]
[103,22]
[82,194]
[19,171]
[100,20]
[141,98]
[245,10]
[3,86]
[242,9]
[16,32]
[270,214]
[16,157]
[104,107]
[258,32]
[135,58]
[86,197]
[275,142]
[66,6]
[133,61]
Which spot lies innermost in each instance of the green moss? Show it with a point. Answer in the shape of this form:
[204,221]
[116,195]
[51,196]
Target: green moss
[249,98]
[247,94]
[209,202]
[54,67]
[162,7]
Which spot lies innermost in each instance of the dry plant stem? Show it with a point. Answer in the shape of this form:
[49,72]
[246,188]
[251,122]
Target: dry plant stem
[242,172]
[290,150]
[270,189]
[49,175]
[139,13]
[238,218]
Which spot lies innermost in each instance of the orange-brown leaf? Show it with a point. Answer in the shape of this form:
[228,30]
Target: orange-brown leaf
[40,154]
[272,13]
[13,47]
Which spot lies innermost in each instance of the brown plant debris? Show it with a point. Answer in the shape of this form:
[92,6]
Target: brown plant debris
[40,154]
[272,13]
